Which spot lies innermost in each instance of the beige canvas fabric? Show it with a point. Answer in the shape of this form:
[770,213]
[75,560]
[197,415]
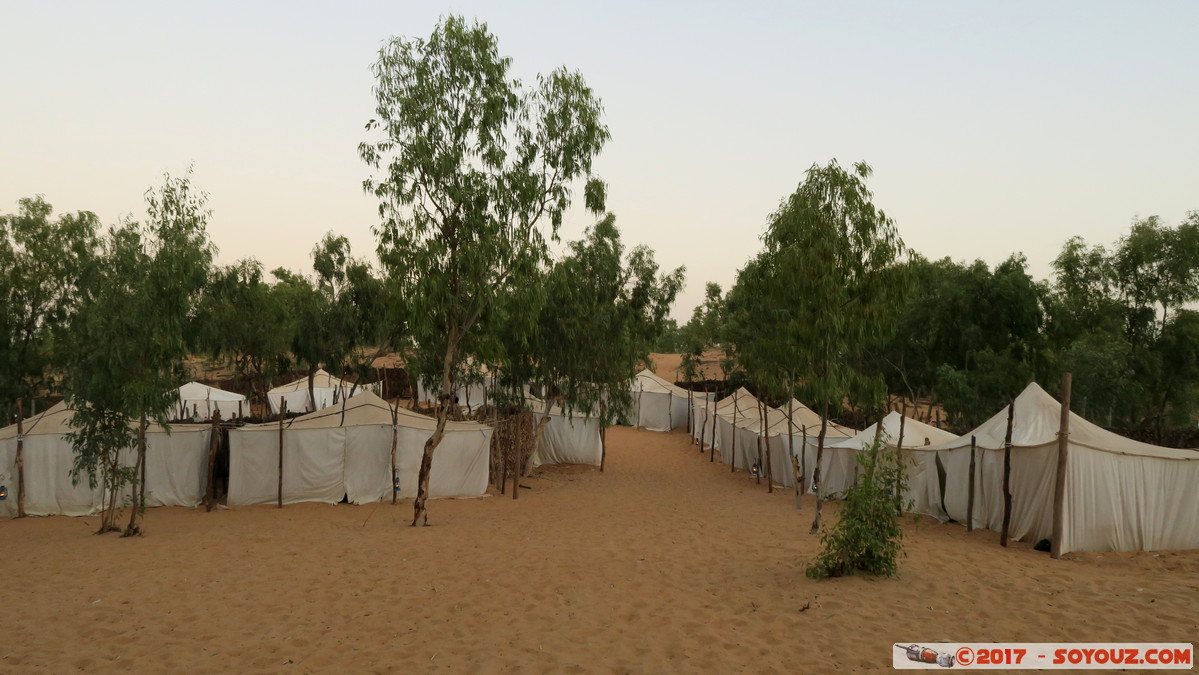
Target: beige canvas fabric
[176,466]
[1121,494]
[345,451]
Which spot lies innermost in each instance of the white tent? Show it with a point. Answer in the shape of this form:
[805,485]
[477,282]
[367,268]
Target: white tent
[567,439]
[199,399]
[470,397]
[659,405]
[924,484]
[1120,494]
[326,389]
[798,433]
[345,451]
[176,466]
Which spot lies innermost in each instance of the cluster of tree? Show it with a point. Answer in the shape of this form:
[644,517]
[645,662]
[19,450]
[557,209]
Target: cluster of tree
[477,174]
[968,337]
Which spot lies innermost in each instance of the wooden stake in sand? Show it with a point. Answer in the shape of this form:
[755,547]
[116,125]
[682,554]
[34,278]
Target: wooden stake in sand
[282,415]
[1059,483]
[214,439]
[603,447]
[395,437]
[970,490]
[903,416]
[20,461]
[796,472]
[733,453]
[712,446]
[1007,475]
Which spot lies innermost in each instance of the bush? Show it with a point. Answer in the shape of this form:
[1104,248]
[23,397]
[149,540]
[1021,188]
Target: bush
[867,538]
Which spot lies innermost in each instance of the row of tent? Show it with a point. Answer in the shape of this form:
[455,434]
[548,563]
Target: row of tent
[199,402]
[342,452]
[1120,494]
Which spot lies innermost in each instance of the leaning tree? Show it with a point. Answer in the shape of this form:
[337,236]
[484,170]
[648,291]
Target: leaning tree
[472,165]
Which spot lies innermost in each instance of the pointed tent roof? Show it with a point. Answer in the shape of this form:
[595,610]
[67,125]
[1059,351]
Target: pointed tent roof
[649,381]
[362,409]
[57,420]
[321,380]
[804,419]
[194,391]
[916,435]
[1036,420]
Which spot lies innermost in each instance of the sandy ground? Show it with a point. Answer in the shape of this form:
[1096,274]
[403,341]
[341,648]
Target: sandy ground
[663,563]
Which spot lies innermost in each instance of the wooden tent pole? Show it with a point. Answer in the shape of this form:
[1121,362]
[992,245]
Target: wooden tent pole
[1059,483]
[1007,475]
[758,445]
[712,446]
[214,439]
[733,453]
[796,472]
[282,415]
[20,461]
[603,435]
[970,490]
[395,437]
[903,416]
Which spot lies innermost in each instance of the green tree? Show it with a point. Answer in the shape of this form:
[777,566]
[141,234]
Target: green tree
[867,537]
[822,286]
[471,162]
[129,338]
[41,259]
[243,320]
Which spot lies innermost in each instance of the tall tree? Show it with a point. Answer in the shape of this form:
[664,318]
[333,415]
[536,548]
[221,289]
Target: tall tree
[244,321]
[472,162]
[129,338]
[41,260]
[822,285]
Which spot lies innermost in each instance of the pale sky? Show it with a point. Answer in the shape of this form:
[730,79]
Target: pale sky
[992,127]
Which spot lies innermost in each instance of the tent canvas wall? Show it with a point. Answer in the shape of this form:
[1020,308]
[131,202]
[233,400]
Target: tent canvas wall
[659,405]
[801,435]
[199,399]
[1120,494]
[567,439]
[176,466]
[326,389]
[924,484]
[345,451]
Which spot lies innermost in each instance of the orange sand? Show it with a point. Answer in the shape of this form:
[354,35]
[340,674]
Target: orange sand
[663,563]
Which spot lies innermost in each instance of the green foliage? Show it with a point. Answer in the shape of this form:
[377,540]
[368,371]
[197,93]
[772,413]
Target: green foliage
[41,259]
[867,538]
[1118,321]
[970,334]
[129,336]
[245,321]
[471,162]
[334,315]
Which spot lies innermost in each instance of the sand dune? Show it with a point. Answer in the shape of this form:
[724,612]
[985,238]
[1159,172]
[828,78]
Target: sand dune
[663,563]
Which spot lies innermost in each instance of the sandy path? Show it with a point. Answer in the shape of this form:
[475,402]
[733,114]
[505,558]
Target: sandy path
[663,563]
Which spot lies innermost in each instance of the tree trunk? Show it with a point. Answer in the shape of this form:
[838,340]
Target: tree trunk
[796,471]
[420,515]
[139,482]
[537,433]
[816,471]
[214,440]
[20,461]
[733,451]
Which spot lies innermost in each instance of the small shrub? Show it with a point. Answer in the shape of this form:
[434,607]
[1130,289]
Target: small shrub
[867,537]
